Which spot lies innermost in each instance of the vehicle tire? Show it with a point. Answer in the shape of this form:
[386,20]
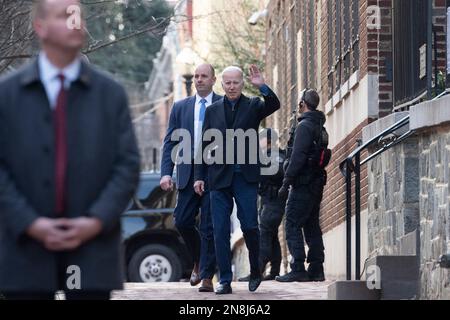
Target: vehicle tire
[154,263]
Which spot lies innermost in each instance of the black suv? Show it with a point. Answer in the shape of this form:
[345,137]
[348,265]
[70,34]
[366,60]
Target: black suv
[154,250]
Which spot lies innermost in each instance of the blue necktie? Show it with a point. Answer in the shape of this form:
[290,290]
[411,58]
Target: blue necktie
[201,118]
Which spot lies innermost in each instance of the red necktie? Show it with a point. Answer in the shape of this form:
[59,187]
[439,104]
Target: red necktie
[60,148]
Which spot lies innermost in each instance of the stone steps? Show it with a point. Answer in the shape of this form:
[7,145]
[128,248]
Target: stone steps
[352,290]
[387,278]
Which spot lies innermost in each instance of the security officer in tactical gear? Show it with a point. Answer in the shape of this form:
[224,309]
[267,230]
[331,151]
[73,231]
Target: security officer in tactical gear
[306,180]
[271,212]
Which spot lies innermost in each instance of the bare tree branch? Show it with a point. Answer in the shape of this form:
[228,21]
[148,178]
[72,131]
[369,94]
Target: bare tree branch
[238,42]
[150,30]
[18,41]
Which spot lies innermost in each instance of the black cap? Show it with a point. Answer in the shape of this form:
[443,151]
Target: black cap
[311,98]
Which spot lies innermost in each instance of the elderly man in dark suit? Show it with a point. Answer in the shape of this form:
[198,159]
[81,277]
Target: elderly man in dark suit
[188,115]
[236,179]
[69,165]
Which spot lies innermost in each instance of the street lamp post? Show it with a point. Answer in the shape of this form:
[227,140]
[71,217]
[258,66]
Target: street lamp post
[186,60]
[188,82]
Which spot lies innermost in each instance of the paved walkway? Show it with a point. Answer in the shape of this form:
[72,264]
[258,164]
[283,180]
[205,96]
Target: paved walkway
[269,290]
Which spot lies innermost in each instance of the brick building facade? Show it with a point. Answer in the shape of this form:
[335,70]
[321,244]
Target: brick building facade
[345,50]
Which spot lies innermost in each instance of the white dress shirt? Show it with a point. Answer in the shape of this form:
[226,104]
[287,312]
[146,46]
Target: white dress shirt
[49,76]
[198,126]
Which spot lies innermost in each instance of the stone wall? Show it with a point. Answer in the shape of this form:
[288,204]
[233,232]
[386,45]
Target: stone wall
[394,200]
[408,195]
[434,150]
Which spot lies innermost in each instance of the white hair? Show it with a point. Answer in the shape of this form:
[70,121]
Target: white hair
[233,69]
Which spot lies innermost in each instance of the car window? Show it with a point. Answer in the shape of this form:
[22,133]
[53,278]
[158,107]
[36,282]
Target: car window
[157,199]
[146,186]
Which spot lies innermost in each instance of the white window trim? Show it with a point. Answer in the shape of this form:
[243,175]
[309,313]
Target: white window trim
[342,93]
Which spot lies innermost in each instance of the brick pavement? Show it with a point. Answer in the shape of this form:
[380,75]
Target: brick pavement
[269,290]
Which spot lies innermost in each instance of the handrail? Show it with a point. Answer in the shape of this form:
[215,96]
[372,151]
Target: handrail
[352,164]
[147,212]
[443,93]
[377,138]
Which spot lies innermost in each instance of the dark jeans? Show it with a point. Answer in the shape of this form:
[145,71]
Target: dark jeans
[200,242]
[270,218]
[245,195]
[302,212]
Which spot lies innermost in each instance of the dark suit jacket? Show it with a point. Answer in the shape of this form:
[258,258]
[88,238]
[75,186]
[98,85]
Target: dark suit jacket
[250,112]
[102,174]
[181,117]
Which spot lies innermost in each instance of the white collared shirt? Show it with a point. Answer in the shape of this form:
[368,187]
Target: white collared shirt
[198,126]
[49,76]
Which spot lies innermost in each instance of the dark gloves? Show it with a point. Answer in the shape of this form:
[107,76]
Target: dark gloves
[283,193]
[284,190]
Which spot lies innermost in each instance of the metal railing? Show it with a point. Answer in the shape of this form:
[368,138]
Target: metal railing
[352,164]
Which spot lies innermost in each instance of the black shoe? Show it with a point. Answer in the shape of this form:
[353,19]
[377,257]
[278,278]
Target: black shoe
[270,277]
[315,272]
[254,283]
[224,289]
[244,279]
[299,276]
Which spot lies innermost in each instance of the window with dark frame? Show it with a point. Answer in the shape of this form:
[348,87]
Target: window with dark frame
[311,45]
[343,52]
[338,45]
[355,36]
[284,48]
[330,25]
[293,56]
[409,36]
[346,54]
[304,46]
[448,46]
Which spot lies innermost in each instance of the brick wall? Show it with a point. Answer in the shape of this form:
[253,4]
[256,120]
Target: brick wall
[376,48]
[374,58]
[334,201]
[384,58]
[285,20]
